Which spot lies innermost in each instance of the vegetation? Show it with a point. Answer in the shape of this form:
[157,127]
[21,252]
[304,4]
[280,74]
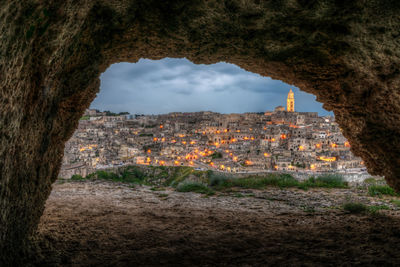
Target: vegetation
[216,155]
[379,190]
[396,202]
[109,113]
[279,180]
[130,174]
[85,118]
[188,186]
[358,208]
[161,176]
[77,177]
[355,208]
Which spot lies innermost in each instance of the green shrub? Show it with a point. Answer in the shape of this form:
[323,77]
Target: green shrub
[216,155]
[196,187]
[378,190]
[217,180]
[77,177]
[107,176]
[133,175]
[356,208]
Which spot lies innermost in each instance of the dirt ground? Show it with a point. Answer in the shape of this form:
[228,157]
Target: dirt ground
[109,224]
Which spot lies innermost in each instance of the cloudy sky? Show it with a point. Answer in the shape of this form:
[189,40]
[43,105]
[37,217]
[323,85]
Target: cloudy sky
[168,85]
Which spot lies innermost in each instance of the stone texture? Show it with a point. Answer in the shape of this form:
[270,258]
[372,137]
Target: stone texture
[52,53]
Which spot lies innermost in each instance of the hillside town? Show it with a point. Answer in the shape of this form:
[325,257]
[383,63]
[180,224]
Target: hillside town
[279,140]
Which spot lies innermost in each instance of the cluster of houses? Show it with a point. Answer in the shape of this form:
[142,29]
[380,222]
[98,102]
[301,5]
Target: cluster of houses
[279,140]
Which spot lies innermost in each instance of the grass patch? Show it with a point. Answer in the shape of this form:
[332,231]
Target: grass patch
[239,195]
[396,202]
[196,187]
[358,208]
[162,195]
[131,175]
[220,182]
[379,190]
[374,209]
[325,181]
[355,208]
[157,189]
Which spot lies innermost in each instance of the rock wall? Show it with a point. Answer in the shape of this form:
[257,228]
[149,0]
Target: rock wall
[52,53]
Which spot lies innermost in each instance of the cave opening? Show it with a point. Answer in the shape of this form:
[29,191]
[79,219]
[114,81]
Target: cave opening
[219,108]
[53,53]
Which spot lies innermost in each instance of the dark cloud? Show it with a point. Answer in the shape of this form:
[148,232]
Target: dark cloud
[155,87]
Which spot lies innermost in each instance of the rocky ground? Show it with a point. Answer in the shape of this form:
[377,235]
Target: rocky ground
[97,223]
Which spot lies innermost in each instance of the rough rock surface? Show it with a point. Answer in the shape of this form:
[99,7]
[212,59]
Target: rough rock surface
[100,223]
[52,53]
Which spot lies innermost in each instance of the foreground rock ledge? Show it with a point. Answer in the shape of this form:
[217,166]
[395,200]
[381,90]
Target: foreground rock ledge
[52,53]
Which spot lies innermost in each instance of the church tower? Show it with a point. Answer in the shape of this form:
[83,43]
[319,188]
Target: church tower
[290,101]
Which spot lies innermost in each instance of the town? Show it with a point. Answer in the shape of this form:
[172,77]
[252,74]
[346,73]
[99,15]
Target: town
[279,140]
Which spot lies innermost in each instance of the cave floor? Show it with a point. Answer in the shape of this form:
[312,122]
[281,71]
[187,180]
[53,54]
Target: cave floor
[109,224]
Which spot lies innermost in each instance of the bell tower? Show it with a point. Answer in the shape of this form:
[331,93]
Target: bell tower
[290,101]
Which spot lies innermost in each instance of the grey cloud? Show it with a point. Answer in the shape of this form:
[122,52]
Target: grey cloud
[167,85]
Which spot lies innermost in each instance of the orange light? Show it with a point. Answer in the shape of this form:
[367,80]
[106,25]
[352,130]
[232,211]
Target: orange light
[161,126]
[216,144]
[248,163]
[218,132]
[176,162]
[276,167]
[155,139]
[225,130]
[211,163]
[245,138]
[233,140]
[301,148]
[333,145]
[252,138]
[173,141]
[318,145]
[266,154]
[283,136]
[192,142]
[184,142]
[191,163]
[149,151]
[238,131]
[148,159]
[181,135]
[312,167]
[347,144]
[235,158]
[327,159]
[273,140]
[162,163]
[204,133]
[222,167]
